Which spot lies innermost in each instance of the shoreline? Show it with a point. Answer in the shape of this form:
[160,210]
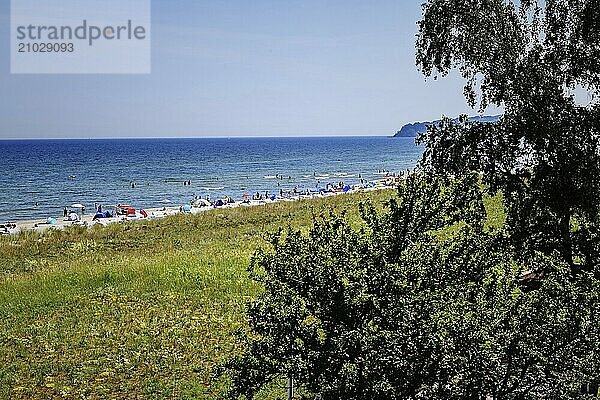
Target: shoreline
[87,220]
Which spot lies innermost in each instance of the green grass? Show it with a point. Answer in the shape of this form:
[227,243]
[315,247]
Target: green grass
[137,310]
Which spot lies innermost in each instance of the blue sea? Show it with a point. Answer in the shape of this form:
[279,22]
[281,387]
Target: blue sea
[40,177]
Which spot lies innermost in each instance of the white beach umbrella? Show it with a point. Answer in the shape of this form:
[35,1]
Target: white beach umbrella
[77,205]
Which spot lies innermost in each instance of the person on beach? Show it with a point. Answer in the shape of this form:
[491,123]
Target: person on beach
[65,212]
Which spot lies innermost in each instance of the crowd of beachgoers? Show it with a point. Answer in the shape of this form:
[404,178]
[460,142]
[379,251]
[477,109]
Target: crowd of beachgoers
[76,214]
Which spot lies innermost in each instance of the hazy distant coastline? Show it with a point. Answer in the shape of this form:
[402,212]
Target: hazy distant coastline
[414,129]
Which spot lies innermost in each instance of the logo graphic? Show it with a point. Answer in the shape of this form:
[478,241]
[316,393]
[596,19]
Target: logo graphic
[80,37]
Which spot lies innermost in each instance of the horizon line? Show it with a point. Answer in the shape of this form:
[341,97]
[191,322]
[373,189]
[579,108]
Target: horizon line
[192,137]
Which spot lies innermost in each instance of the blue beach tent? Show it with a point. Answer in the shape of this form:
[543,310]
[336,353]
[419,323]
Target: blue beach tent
[105,214]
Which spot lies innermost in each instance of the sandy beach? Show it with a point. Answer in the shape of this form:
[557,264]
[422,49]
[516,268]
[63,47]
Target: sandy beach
[41,225]
[88,220]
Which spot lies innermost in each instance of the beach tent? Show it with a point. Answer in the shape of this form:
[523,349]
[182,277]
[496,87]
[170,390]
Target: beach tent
[219,203]
[347,188]
[73,217]
[124,209]
[140,214]
[105,214]
[112,210]
[51,221]
[187,208]
[202,203]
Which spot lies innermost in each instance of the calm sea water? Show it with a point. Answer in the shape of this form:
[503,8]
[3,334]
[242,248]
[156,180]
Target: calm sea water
[38,178]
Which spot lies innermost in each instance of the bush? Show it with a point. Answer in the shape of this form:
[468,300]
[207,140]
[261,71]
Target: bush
[421,302]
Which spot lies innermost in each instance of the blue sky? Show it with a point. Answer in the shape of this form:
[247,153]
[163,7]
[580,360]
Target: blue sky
[243,68]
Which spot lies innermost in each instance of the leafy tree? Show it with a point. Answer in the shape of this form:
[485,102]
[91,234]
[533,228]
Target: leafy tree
[528,57]
[422,302]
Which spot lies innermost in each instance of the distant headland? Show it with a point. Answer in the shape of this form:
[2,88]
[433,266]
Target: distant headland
[413,130]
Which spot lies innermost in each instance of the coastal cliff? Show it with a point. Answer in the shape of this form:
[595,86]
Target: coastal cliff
[414,129]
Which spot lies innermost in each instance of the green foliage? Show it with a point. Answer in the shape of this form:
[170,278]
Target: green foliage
[528,57]
[430,299]
[424,302]
[136,310]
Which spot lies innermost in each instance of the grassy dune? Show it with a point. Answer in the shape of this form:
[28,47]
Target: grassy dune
[138,310]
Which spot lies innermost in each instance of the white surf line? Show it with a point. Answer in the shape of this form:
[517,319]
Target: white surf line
[41,225]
